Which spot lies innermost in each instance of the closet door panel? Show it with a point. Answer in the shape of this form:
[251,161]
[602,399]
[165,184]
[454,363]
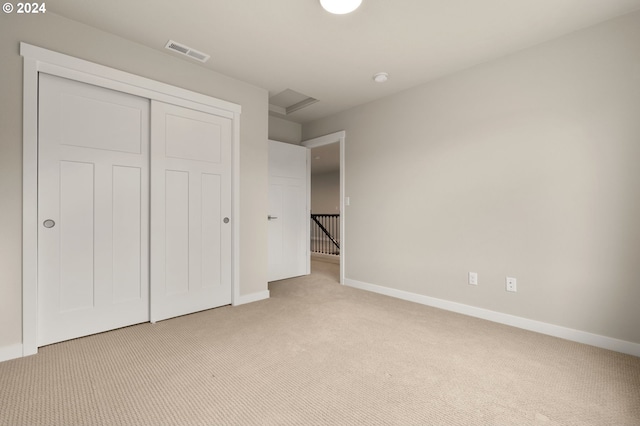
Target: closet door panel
[93,215]
[191,205]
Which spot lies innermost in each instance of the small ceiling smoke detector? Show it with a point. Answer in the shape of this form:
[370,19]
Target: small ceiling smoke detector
[340,7]
[187,51]
[380,77]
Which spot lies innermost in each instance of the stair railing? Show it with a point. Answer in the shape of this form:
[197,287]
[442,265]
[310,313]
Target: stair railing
[323,239]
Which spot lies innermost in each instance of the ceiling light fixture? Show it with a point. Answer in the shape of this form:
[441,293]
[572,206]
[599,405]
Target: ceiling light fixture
[340,7]
[380,77]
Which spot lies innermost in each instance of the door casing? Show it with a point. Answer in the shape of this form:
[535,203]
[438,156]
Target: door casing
[337,137]
[38,60]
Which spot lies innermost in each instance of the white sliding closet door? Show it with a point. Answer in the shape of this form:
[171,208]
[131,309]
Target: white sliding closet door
[93,198]
[191,211]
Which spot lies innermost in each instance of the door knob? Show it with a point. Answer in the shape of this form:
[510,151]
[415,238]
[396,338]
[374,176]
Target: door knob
[272,217]
[225,220]
[48,223]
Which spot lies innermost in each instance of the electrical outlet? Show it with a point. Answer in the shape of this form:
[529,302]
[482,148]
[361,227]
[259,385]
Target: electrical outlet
[473,278]
[511,284]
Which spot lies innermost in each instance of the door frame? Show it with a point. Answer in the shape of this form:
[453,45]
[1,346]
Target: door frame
[337,137]
[38,60]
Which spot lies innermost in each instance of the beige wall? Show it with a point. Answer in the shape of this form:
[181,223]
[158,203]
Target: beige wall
[325,193]
[525,166]
[282,130]
[59,34]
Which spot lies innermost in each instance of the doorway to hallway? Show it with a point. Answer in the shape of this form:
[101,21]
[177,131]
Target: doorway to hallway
[328,196]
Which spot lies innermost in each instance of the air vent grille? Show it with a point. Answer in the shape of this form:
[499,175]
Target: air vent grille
[197,55]
[187,51]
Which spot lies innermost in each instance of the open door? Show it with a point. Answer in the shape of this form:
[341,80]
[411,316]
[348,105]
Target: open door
[289,211]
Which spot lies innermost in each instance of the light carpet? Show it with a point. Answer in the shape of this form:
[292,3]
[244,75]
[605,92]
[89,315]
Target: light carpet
[317,353]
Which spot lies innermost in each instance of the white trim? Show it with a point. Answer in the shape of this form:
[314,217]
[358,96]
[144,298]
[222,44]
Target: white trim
[325,140]
[235,210]
[100,75]
[253,297]
[308,213]
[11,352]
[337,137]
[38,60]
[573,335]
[30,208]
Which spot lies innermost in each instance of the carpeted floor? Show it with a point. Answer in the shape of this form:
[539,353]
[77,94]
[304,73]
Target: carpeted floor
[319,353]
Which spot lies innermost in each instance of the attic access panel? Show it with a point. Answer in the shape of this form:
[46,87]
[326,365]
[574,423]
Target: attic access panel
[289,101]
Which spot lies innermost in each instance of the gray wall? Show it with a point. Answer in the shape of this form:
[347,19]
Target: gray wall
[65,36]
[282,130]
[325,193]
[525,166]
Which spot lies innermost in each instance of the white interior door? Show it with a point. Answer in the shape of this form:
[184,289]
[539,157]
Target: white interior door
[289,211]
[92,210]
[191,205]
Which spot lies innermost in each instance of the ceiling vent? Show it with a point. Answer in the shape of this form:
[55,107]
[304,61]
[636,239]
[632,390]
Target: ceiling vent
[187,51]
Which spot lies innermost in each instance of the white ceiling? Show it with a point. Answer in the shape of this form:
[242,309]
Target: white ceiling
[295,44]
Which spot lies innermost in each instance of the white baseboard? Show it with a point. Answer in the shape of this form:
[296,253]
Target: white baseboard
[16,351]
[11,352]
[579,336]
[253,297]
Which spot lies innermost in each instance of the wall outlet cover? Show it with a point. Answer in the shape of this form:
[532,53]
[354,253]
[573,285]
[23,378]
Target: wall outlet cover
[473,278]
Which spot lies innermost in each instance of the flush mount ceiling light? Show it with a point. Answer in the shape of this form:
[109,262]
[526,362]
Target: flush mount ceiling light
[380,77]
[340,7]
